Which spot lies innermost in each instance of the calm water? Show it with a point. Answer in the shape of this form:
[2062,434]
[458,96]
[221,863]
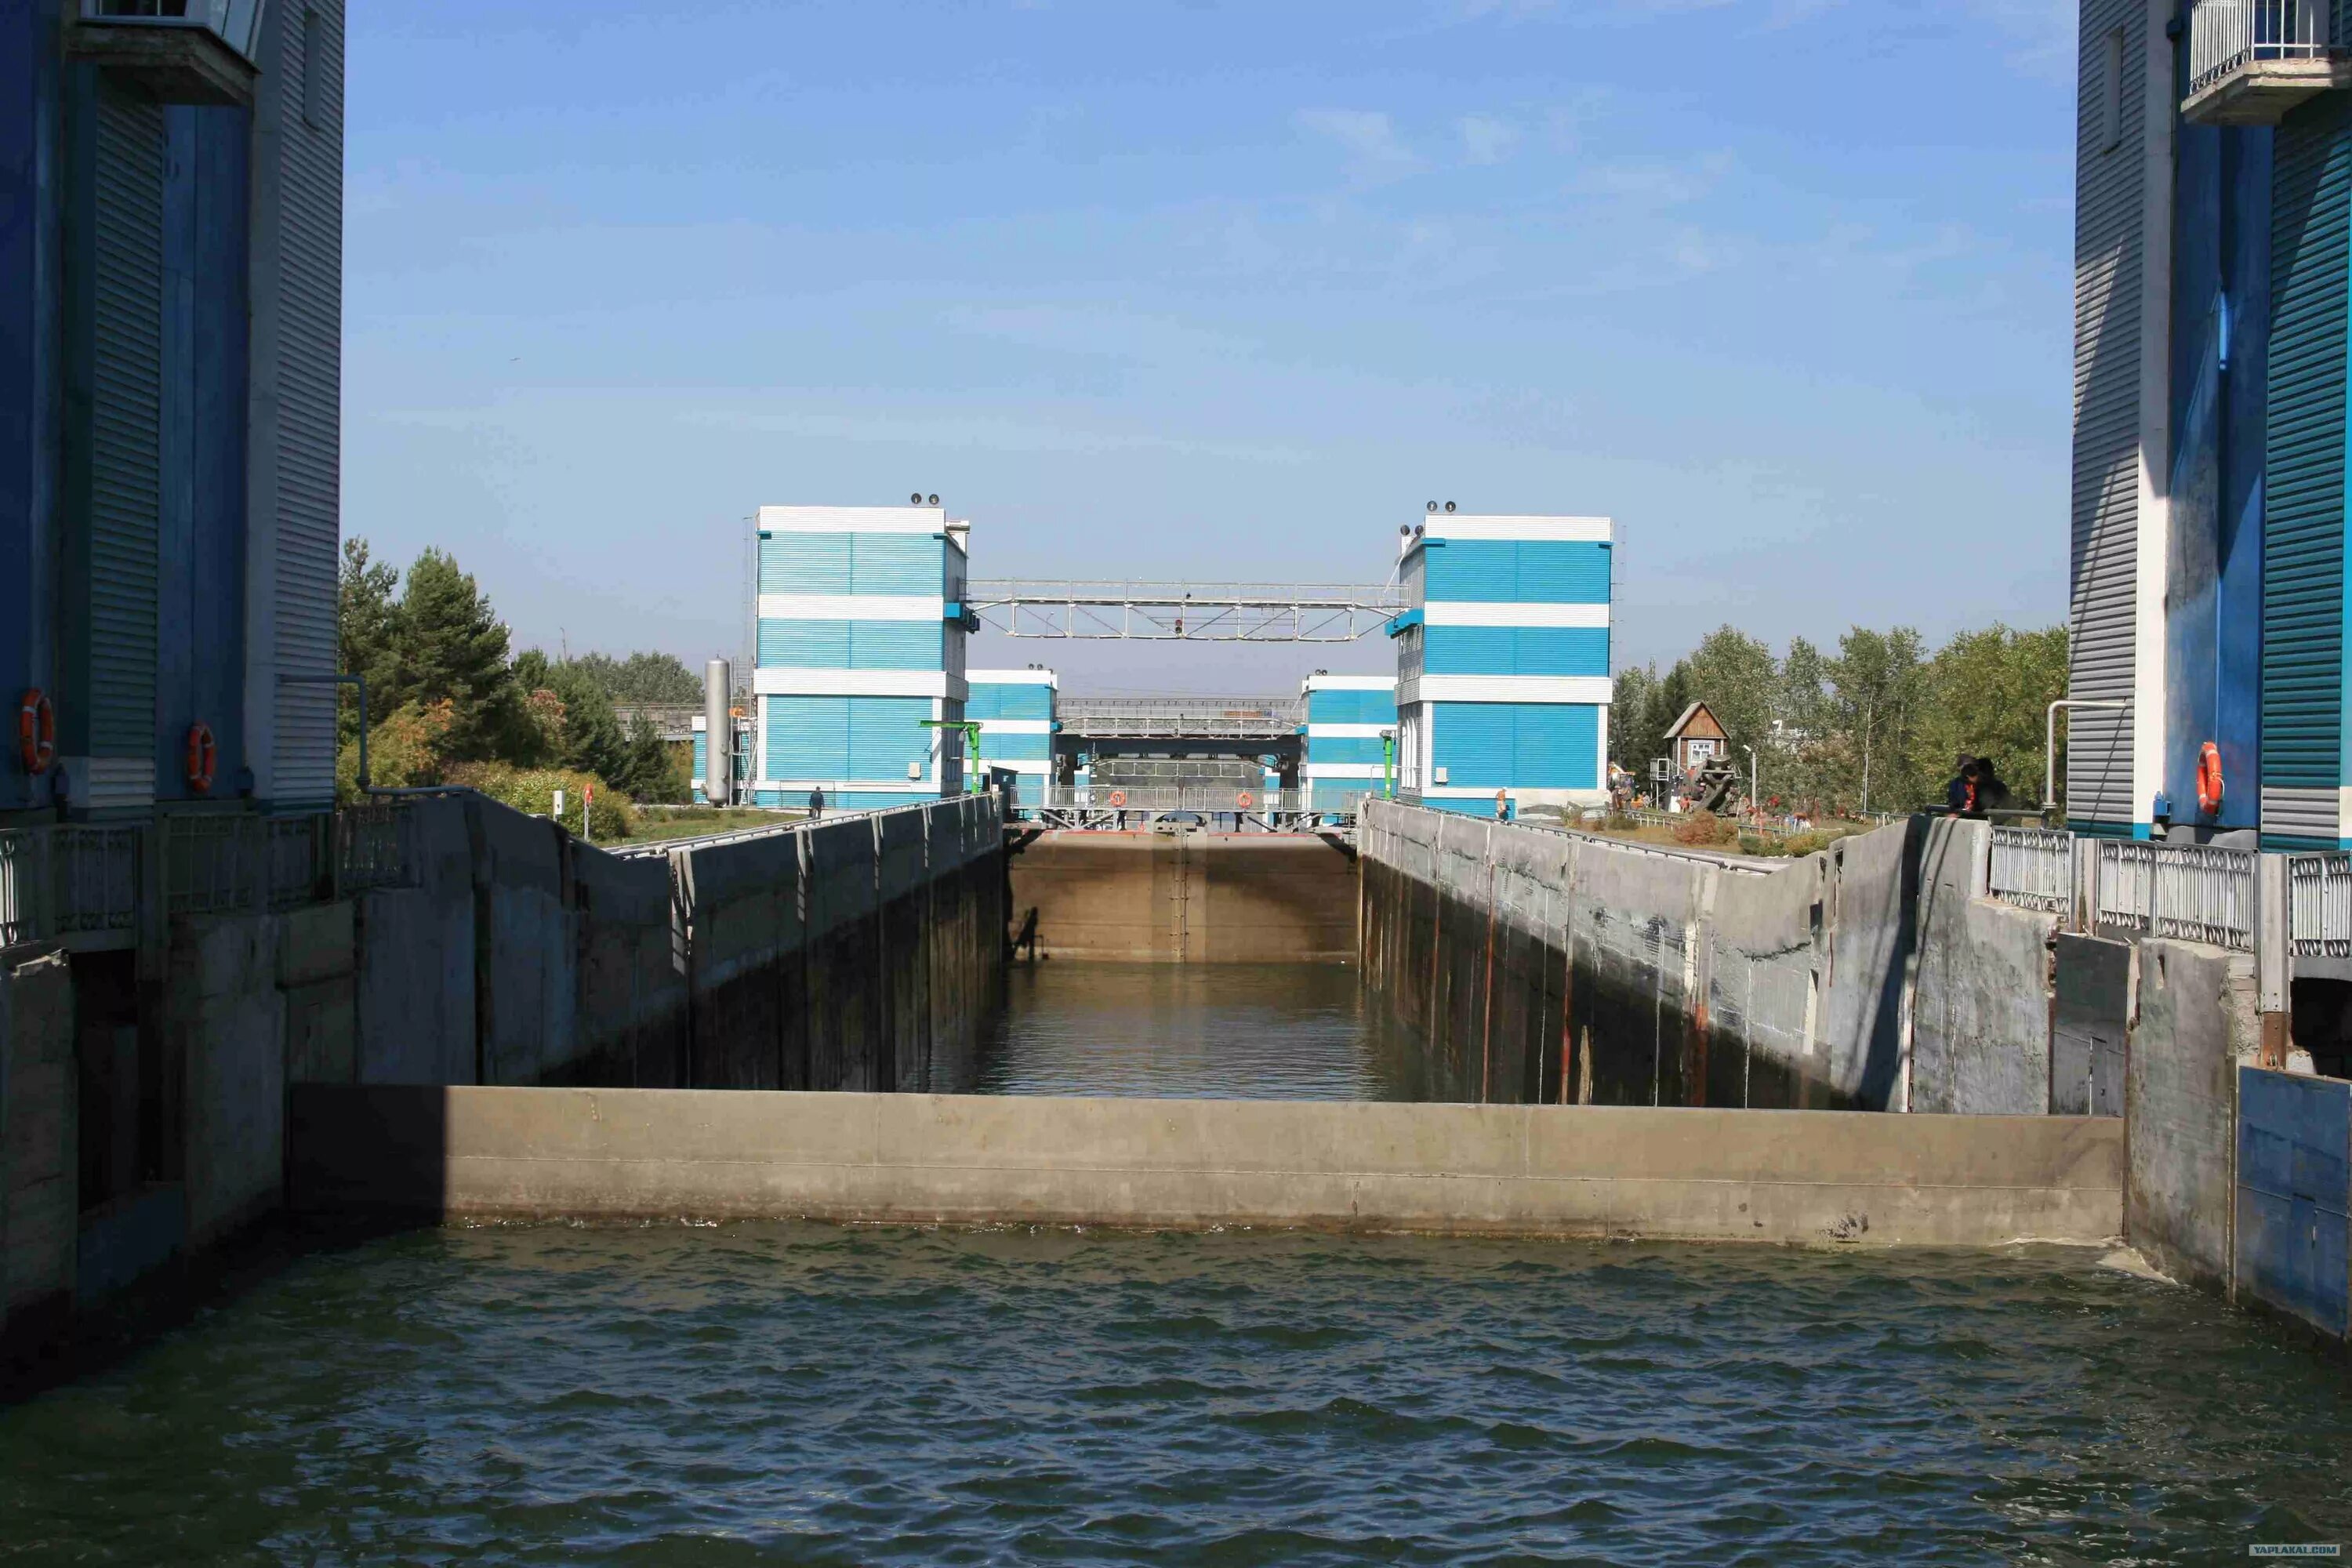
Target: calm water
[1221,1031]
[776,1394]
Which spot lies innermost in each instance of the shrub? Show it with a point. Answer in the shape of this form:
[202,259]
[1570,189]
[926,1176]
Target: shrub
[1762,843]
[1619,822]
[1699,827]
[533,790]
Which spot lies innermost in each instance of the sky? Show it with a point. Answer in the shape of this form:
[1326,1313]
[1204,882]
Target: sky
[1215,291]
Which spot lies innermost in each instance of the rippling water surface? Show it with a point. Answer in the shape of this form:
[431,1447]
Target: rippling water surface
[1213,1031]
[782,1394]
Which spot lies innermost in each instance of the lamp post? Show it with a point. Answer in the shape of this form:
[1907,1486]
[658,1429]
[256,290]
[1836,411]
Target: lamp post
[1755,801]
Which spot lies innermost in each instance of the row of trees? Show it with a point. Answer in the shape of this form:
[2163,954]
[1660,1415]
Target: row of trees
[1876,725]
[447,698]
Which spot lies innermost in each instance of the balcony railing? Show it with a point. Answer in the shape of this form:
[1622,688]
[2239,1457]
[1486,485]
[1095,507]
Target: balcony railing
[2319,905]
[2192,892]
[2033,867]
[2228,35]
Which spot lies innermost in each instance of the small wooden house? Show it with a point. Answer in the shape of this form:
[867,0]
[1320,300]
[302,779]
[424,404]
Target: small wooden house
[1696,739]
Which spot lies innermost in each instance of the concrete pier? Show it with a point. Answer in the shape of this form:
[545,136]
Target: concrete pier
[1808,1177]
[1187,897]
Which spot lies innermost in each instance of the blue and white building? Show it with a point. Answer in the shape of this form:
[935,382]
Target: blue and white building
[1014,710]
[1503,679]
[1345,716]
[860,640]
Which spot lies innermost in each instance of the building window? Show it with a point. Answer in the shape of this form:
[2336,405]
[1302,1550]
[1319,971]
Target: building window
[2111,91]
[312,112]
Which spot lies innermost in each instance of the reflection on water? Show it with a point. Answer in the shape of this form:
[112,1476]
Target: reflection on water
[811,1395]
[1208,1031]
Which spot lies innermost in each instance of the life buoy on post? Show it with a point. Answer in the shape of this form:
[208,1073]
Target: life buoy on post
[2209,778]
[37,731]
[1244,800]
[203,757]
[1118,798]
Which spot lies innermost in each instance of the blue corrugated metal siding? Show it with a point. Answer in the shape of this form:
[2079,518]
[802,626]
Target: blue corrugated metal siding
[1516,650]
[870,738]
[996,747]
[1352,708]
[2303,525]
[701,755]
[992,700]
[2295,1134]
[1521,571]
[850,644]
[805,562]
[899,563]
[907,564]
[1522,745]
[1343,749]
[886,733]
[24,107]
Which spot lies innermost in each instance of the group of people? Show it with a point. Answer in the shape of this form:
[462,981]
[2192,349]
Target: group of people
[1975,788]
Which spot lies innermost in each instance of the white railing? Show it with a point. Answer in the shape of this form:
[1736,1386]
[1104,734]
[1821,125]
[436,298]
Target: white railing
[93,880]
[2319,905]
[2033,867]
[2191,892]
[2225,36]
[1202,798]
[374,846]
[19,888]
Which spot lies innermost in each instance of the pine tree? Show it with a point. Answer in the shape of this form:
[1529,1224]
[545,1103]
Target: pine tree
[452,647]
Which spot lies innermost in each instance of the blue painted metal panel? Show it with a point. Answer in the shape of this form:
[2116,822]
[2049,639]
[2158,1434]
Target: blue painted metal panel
[886,733]
[1351,707]
[701,756]
[850,644]
[1343,749]
[992,700]
[897,564]
[1517,745]
[1516,650]
[1557,746]
[1522,570]
[808,738]
[2294,1139]
[1474,743]
[2303,525]
[997,747]
[805,562]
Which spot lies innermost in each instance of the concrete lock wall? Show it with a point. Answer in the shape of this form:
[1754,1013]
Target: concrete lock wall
[856,954]
[1186,898]
[1562,968]
[1810,1177]
[37,1141]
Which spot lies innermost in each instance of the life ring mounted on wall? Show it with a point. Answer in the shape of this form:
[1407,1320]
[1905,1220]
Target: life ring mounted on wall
[1246,800]
[37,731]
[1118,798]
[2209,778]
[202,758]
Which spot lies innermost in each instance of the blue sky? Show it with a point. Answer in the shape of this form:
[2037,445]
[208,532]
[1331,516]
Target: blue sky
[1218,291]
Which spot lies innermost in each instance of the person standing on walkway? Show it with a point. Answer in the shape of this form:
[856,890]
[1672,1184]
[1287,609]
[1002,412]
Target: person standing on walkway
[816,803]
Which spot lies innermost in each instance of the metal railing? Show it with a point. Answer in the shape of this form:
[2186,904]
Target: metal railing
[376,846]
[2319,905]
[1205,799]
[2193,892]
[231,863]
[1196,612]
[93,880]
[2033,867]
[2225,36]
[19,888]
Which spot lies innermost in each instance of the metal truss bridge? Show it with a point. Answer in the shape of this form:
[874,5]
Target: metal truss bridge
[1179,718]
[1181,612]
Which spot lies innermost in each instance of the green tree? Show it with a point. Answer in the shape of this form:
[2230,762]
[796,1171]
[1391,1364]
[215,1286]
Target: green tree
[654,773]
[593,741]
[642,678]
[1990,693]
[1734,674]
[453,648]
[1877,687]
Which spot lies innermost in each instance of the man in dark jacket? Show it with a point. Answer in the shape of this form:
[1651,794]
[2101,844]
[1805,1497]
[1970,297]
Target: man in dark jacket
[816,803]
[1960,794]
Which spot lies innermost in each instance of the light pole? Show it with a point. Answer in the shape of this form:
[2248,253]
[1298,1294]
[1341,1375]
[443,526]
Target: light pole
[1755,801]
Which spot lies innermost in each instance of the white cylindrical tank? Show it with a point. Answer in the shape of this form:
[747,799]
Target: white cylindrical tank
[718,733]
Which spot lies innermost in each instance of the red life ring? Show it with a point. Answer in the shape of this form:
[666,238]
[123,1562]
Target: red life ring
[2209,778]
[203,757]
[1244,800]
[1118,798]
[37,731]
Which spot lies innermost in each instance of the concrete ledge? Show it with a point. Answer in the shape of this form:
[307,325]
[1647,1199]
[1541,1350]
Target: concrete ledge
[1763,1175]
